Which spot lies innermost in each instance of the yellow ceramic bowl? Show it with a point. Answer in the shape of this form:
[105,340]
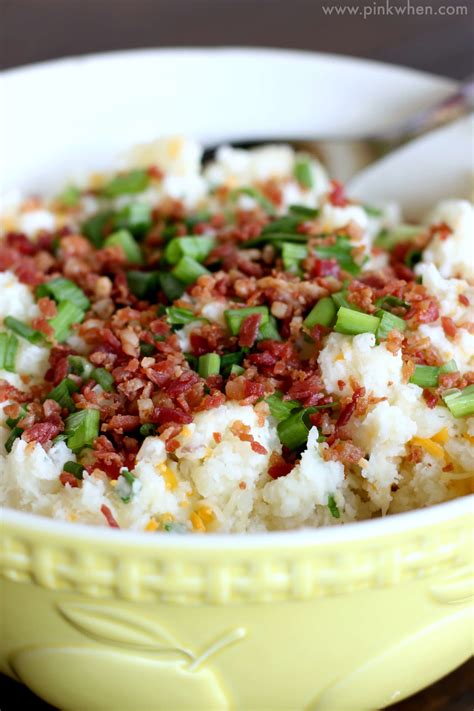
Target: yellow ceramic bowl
[355,617]
[342,618]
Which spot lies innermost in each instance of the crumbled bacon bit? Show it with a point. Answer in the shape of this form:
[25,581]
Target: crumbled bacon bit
[249,330]
[337,195]
[280,469]
[217,437]
[109,516]
[449,327]
[463,299]
[67,478]
[42,432]
[431,398]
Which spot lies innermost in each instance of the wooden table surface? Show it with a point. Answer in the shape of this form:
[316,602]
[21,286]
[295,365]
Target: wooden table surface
[35,30]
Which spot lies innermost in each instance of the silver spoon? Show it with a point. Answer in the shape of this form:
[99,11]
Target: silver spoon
[345,157]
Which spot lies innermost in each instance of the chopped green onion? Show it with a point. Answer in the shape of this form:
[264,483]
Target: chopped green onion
[191,359]
[234,317]
[293,431]
[146,349]
[103,378]
[68,314]
[281,409]
[230,359]
[62,394]
[259,197]
[195,247]
[413,257]
[332,506]
[354,322]
[147,430]
[269,330]
[388,238]
[74,468]
[426,376]
[136,218]
[127,485]
[209,364]
[237,370]
[14,434]
[292,254]
[449,367]
[460,403]
[94,227]
[175,527]
[143,285]
[172,287]
[323,314]
[308,213]
[202,216]
[273,237]
[135,181]
[393,301]
[188,270]
[340,299]
[288,223]
[23,330]
[64,290]
[70,196]
[130,248]
[80,366]
[11,422]
[8,348]
[389,322]
[341,251]
[303,172]
[179,317]
[81,428]
[372,211]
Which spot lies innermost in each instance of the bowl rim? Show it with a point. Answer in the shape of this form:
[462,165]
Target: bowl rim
[368,529]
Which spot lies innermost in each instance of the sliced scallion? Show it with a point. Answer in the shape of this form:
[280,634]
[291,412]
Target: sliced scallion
[67,315]
[388,238]
[188,270]
[323,314]
[449,367]
[80,366]
[195,247]
[8,348]
[103,378]
[143,285]
[135,181]
[237,370]
[62,289]
[333,508]
[269,330]
[389,322]
[147,430]
[94,227]
[75,469]
[70,196]
[230,359]
[460,403]
[81,428]
[22,329]
[179,317]
[288,223]
[281,409]
[136,218]
[293,432]
[14,434]
[426,376]
[307,213]
[172,287]
[125,240]
[234,317]
[354,322]
[62,394]
[292,254]
[209,364]
[341,251]
[258,196]
[303,172]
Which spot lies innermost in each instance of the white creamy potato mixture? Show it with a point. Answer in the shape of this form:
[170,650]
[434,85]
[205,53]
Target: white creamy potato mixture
[232,348]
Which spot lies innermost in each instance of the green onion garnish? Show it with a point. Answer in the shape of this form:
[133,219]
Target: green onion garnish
[136,218]
[146,349]
[179,317]
[94,227]
[427,376]
[11,422]
[80,366]
[354,322]
[340,299]
[68,314]
[70,196]
[130,248]
[303,173]
[281,409]
[292,254]
[8,348]
[269,330]
[147,430]
[62,394]
[259,197]
[293,431]
[81,428]
[332,506]
[127,485]
[237,370]
[323,314]
[188,270]
[372,211]
[74,468]
[209,364]
[195,247]
[460,403]
[393,301]
[230,359]
[288,223]
[135,181]
[308,213]
[103,378]
[64,290]
[234,317]
[389,322]
[402,233]
[274,237]
[25,331]
[172,287]
[449,367]
[14,434]
[143,285]
[341,251]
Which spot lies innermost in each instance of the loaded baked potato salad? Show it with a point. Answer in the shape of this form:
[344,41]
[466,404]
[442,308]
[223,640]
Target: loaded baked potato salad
[235,348]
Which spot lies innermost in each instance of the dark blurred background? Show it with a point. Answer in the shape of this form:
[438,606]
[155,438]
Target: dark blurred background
[36,30]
